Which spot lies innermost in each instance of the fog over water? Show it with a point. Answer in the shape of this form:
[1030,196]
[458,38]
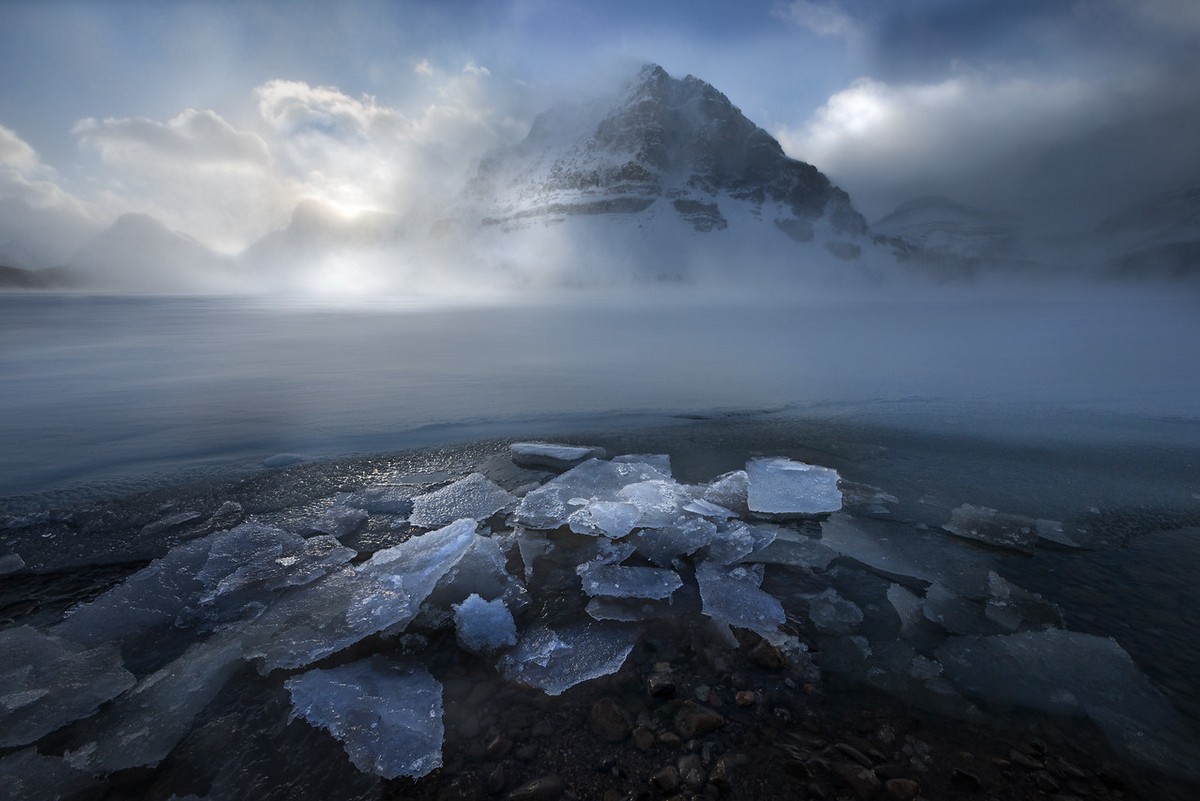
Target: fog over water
[96,387]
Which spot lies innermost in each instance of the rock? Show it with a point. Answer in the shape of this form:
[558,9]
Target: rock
[768,656]
[965,780]
[666,779]
[855,754]
[1028,762]
[901,789]
[745,698]
[643,738]
[693,719]
[661,685]
[722,772]
[610,722]
[691,771]
[499,747]
[545,788]
[862,780]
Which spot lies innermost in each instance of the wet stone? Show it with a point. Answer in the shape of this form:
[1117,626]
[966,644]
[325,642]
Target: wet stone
[693,719]
[610,722]
[862,780]
[964,780]
[691,771]
[546,788]
[666,779]
[643,738]
[901,789]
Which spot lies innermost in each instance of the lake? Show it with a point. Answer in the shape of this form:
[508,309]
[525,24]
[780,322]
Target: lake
[132,426]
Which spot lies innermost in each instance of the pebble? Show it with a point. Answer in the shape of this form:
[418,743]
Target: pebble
[965,780]
[1017,758]
[693,719]
[499,747]
[855,754]
[745,698]
[702,693]
[643,738]
[661,685]
[545,788]
[666,779]
[691,772]
[901,789]
[768,656]
[863,781]
[610,722]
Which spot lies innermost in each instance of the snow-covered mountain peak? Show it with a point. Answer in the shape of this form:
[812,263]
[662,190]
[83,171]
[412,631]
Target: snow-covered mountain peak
[658,141]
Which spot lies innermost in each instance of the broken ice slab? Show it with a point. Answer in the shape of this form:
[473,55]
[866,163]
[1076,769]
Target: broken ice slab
[833,614]
[552,456]
[387,499]
[704,508]
[617,581]
[682,537]
[145,724]
[28,775]
[1071,673]
[899,552]
[484,626]
[338,521]
[169,522]
[1012,532]
[203,583]
[784,488]
[384,592]
[732,596]
[794,549]
[738,541]
[613,519]
[1013,608]
[550,505]
[730,491]
[10,563]
[476,497]
[388,716]
[660,502]
[630,610]
[956,614]
[659,461]
[47,682]
[556,660]
[909,608]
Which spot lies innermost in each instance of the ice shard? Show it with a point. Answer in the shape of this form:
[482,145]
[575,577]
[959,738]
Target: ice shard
[388,716]
[556,660]
[551,456]
[550,505]
[785,488]
[484,626]
[46,682]
[475,496]
[732,596]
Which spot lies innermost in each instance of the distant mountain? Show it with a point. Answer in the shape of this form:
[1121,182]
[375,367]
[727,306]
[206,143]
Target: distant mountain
[1158,237]
[664,169]
[140,254]
[951,240]
[316,234]
[46,278]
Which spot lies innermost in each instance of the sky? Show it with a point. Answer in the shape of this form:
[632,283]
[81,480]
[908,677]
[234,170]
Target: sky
[218,118]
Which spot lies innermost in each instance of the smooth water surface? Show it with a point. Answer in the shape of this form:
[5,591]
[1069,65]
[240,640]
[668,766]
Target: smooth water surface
[99,387]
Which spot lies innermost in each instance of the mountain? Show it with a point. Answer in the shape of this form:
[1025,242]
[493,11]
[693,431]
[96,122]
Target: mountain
[1158,237]
[140,254]
[321,245]
[666,173]
[951,240]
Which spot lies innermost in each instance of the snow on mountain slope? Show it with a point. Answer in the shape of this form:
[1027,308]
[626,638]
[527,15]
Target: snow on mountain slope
[666,181]
[1158,237]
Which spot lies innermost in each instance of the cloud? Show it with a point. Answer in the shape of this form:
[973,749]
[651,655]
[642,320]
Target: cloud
[998,138]
[192,137]
[823,19]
